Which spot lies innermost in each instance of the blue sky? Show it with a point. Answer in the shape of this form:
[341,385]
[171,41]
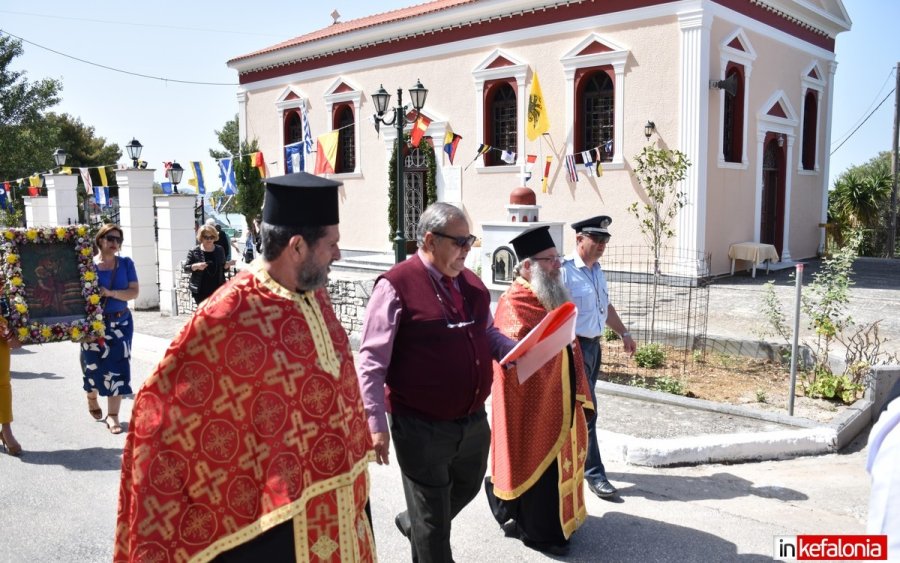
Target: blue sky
[193,40]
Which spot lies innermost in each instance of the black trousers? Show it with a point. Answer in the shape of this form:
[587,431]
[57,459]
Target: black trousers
[443,466]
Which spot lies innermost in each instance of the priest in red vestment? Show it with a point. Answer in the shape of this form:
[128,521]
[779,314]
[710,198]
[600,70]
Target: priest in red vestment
[249,441]
[539,433]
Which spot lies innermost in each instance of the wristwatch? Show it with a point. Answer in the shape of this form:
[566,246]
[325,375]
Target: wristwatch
[624,334]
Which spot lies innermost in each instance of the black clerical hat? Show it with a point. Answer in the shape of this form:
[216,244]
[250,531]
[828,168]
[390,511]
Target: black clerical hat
[532,241]
[594,226]
[300,200]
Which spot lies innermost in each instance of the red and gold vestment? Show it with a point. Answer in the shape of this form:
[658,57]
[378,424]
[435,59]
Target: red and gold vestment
[253,418]
[536,423]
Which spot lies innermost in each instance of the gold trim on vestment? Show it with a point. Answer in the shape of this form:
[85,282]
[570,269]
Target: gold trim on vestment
[306,301]
[295,511]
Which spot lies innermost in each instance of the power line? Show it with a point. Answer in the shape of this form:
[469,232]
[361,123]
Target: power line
[863,123]
[880,90]
[160,78]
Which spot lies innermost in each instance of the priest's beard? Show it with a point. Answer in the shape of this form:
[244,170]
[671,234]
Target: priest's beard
[311,275]
[548,287]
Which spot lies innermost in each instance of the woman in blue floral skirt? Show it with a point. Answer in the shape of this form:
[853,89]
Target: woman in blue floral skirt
[106,362]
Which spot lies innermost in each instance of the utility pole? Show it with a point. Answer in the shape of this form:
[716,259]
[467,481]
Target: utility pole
[894,158]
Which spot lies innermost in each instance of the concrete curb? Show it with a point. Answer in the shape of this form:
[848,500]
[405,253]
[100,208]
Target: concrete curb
[810,437]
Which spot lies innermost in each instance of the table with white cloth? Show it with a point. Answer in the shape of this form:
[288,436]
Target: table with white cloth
[755,252]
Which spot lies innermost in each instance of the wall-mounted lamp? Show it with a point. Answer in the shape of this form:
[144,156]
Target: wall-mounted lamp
[134,151]
[59,157]
[649,129]
[781,137]
[729,85]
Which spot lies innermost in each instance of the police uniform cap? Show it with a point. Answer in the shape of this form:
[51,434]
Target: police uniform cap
[598,225]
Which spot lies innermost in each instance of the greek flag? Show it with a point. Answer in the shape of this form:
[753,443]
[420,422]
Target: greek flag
[307,134]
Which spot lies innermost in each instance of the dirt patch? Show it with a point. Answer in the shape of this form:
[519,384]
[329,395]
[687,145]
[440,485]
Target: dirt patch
[736,380]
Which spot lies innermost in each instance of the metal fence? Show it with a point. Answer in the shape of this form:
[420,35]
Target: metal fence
[662,301]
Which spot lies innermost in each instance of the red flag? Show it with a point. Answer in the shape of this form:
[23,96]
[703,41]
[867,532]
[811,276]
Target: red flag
[419,129]
[168,166]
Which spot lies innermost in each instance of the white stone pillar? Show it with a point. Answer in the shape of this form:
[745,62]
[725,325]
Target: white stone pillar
[175,219]
[824,148]
[136,219]
[37,213]
[693,128]
[62,199]
[788,188]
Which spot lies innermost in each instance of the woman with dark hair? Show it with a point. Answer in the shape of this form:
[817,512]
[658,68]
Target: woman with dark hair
[206,264]
[106,362]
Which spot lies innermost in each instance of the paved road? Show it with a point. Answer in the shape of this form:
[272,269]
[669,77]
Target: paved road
[58,501]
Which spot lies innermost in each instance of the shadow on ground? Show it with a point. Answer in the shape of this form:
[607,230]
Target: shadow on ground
[717,486]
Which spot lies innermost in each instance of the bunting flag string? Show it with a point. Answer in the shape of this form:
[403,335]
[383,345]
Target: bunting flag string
[507,156]
[293,157]
[418,130]
[482,149]
[307,133]
[326,155]
[529,165]
[571,171]
[226,174]
[197,181]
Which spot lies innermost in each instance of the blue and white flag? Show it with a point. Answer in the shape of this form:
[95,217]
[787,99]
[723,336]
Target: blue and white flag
[307,134]
[197,180]
[226,174]
[101,195]
[293,157]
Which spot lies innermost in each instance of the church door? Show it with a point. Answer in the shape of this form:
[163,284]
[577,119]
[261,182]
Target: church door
[771,228]
[415,168]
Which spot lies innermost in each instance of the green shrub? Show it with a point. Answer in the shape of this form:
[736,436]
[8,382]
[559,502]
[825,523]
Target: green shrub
[650,356]
[824,384]
[609,335]
[668,384]
[761,396]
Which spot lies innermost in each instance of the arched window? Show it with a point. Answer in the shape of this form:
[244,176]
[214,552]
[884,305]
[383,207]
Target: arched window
[810,115]
[733,129]
[500,122]
[293,131]
[595,112]
[346,152]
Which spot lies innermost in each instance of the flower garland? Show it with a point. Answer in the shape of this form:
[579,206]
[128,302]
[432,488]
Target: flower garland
[28,331]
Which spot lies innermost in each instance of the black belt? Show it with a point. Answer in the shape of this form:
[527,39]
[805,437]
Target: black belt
[116,315]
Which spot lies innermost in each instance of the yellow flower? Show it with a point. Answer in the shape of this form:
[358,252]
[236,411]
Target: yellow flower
[60,232]
[89,276]
[87,251]
[98,326]
[45,332]
[20,307]
[9,235]
[81,231]
[94,299]
[23,332]
[12,258]
[31,234]
[16,280]
[76,334]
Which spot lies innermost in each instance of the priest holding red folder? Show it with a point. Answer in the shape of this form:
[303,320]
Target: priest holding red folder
[539,430]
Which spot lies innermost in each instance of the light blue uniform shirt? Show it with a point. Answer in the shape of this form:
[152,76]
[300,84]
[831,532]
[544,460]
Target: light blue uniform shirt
[587,285]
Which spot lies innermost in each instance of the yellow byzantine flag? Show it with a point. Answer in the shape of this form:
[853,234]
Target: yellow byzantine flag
[538,122]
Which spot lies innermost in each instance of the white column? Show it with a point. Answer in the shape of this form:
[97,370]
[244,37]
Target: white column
[136,219]
[788,183]
[757,206]
[62,199]
[693,130]
[242,117]
[619,110]
[37,213]
[175,219]
[824,147]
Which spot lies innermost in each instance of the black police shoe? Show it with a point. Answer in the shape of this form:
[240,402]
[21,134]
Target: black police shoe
[602,488]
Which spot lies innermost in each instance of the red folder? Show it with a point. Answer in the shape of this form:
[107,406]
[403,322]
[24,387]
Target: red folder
[544,342]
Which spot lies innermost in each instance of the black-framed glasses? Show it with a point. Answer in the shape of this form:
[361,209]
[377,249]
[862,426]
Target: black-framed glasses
[461,242]
[207,237]
[113,238]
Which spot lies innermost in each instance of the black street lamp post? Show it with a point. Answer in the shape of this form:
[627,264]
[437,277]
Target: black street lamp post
[134,149]
[175,173]
[382,98]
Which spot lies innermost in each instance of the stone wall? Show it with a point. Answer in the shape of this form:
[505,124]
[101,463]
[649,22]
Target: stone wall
[350,294]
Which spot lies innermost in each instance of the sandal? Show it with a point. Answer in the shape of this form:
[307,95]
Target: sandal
[114,427]
[94,407]
[13,447]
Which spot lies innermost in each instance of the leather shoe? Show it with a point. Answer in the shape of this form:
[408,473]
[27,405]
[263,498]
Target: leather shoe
[399,523]
[602,488]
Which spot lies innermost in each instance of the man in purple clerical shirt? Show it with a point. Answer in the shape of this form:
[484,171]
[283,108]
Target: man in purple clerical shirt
[426,354]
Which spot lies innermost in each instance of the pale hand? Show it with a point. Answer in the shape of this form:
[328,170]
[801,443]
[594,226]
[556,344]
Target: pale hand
[382,443]
[201,265]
